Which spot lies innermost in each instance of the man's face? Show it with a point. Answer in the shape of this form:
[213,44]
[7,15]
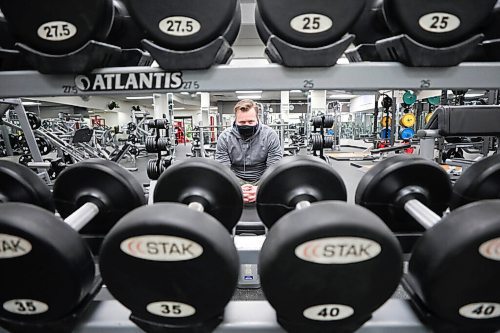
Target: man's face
[248,118]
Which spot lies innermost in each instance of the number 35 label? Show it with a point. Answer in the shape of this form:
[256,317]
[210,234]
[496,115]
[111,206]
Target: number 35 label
[171,309]
[56,31]
[311,23]
[439,22]
[328,312]
[25,306]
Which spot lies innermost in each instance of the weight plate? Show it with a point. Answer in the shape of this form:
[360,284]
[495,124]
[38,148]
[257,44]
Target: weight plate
[196,263]
[328,121]
[307,246]
[454,264]
[436,100]
[438,23]
[45,262]
[185,25]
[58,26]
[385,134]
[313,23]
[480,181]
[381,187]
[102,182]
[205,181]
[18,183]
[34,120]
[386,121]
[428,117]
[406,134]
[409,97]
[407,120]
[294,179]
[386,102]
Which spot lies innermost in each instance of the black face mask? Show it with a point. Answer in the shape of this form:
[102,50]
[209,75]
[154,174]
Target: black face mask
[247,131]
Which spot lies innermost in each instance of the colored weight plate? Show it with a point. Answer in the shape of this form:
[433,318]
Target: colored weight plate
[20,184]
[294,179]
[384,184]
[168,255]
[102,182]
[386,121]
[186,24]
[480,181]
[438,23]
[207,182]
[47,269]
[313,23]
[407,120]
[434,100]
[428,117]
[409,97]
[406,134]
[346,245]
[385,134]
[454,266]
[58,26]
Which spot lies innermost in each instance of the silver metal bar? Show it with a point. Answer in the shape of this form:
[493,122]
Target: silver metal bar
[82,216]
[39,165]
[421,213]
[6,140]
[302,204]
[197,206]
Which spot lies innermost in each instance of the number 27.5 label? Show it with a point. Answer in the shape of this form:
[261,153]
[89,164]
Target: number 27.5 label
[179,26]
[56,31]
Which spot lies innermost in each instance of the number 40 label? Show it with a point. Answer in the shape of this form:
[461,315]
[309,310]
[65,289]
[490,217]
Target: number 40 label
[480,310]
[328,312]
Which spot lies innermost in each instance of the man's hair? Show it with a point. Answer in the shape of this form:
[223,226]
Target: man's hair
[246,105]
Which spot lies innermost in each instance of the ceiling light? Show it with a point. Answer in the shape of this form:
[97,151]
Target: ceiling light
[139,97]
[238,92]
[250,97]
[185,93]
[296,91]
[473,95]
[342,96]
[179,108]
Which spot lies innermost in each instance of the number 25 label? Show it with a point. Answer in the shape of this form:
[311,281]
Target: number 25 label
[311,23]
[439,22]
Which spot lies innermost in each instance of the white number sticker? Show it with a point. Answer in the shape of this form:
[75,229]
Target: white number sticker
[180,26]
[56,31]
[328,312]
[171,309]
[439,22]
[311,23]
[25,306]
[480,310]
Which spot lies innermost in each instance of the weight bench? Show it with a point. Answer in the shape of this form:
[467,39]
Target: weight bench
[453,121]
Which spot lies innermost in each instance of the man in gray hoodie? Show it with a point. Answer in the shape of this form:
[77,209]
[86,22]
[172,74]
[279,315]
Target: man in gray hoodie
[248,148]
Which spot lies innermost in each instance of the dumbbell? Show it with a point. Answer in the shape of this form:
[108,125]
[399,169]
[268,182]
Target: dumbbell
[178,253]
[62,26]
[309,24]
[50,268]
[18,183]
[437,23]
[325,265]
[181,25]
[452,270]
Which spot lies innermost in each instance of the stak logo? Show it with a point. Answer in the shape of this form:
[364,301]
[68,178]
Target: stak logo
[161,248]
[129,81]
[13,246]
[338,250]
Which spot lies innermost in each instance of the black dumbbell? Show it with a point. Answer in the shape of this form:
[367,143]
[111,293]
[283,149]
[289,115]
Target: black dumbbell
[182,25]
[51,268]
[181,261]
[314,23]
[61,26]
[438,23]
[453,265]
[19,184]
[480,181]
[325,265]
